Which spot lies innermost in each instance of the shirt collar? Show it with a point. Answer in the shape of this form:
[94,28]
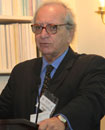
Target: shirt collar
[55,63]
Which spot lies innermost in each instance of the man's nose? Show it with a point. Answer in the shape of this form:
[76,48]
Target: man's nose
[44,33]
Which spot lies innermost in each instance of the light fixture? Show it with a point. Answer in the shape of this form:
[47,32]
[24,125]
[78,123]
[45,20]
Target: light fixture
[101,10]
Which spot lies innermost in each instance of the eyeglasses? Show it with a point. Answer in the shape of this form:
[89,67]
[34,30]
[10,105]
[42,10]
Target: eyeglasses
[50,28]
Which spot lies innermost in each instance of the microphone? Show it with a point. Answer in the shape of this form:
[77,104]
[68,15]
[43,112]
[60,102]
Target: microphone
[38,101]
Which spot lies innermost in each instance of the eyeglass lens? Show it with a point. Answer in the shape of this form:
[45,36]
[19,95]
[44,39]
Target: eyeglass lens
[51,29]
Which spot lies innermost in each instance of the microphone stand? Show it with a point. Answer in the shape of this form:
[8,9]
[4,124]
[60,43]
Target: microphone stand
[37,112]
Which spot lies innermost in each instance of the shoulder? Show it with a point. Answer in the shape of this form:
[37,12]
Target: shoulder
[85,58]
[91,58]
[91,62]
[28,64]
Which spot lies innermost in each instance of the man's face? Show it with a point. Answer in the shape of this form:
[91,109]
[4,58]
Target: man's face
[52,45]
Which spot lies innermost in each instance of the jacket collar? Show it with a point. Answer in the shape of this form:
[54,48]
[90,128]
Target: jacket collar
[67,62]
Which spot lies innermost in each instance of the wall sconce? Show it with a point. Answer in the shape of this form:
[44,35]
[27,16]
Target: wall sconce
[101,10]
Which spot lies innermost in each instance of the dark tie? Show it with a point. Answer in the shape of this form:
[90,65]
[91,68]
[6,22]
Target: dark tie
[47,78]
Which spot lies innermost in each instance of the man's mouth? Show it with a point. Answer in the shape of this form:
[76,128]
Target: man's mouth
[44,44]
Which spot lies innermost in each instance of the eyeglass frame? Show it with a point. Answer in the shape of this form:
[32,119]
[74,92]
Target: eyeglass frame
[45,27]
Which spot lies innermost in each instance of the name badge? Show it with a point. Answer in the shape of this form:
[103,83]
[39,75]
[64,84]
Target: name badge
[42,116]
[48,102]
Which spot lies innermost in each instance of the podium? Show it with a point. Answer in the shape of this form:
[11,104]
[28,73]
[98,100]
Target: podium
[17,124]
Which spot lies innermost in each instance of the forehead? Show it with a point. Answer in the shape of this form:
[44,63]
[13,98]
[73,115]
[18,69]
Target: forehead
[51,13]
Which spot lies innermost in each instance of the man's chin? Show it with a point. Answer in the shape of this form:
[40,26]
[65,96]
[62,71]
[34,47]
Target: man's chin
[46,53]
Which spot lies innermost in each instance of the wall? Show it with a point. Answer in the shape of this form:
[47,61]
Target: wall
[91,30]
[3,81]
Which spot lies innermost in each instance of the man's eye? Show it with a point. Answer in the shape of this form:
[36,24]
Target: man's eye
[38,27]
[53,27]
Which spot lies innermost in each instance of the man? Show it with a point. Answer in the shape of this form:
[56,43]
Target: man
[77,82]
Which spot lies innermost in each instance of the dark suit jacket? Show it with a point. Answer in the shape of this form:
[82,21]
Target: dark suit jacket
[79,83]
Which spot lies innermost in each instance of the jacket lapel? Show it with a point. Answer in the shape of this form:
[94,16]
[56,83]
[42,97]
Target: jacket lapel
[63,70]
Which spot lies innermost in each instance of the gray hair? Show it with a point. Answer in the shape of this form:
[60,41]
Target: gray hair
[69,18]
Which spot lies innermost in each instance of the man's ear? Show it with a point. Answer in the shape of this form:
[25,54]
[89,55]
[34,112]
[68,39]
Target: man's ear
[71,35]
